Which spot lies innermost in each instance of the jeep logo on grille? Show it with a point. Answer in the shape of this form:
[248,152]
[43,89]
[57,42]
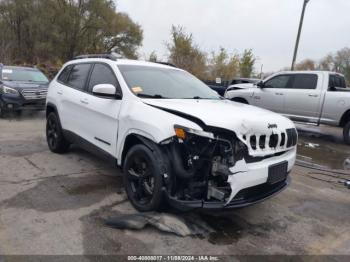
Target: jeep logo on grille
[270,126]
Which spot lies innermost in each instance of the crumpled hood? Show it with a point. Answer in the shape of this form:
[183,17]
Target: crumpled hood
[244,120]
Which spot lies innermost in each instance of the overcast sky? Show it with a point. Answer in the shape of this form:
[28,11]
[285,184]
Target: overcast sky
[269,27]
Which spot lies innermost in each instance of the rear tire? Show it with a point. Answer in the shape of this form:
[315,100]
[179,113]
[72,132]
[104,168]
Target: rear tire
[54,135]
[346,133]
[2,112]
[143,180]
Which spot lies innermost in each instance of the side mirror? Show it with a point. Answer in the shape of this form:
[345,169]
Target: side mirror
[260,84]
[106,90]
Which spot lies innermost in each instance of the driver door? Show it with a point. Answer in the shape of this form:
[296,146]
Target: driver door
[100,114]
[272,96]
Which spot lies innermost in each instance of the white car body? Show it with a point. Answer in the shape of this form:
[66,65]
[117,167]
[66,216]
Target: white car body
[108,123]
[240,86]
[318,104]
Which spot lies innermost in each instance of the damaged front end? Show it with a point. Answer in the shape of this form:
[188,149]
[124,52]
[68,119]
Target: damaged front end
[205,166]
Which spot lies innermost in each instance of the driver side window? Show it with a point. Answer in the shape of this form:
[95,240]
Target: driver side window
[102,74]
[278,82]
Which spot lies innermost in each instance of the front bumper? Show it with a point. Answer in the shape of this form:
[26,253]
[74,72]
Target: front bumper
[248,186]
[16,103]
[246,197]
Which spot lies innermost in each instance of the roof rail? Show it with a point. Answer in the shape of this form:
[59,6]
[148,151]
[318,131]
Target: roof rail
[106,56]
[166,63]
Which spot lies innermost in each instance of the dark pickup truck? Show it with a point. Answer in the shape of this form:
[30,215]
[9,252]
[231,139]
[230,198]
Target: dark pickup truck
[22,88]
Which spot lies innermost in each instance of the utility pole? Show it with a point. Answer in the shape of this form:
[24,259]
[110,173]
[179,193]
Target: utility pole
[299,32]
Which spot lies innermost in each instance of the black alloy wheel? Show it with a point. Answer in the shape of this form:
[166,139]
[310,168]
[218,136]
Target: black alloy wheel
[54,136]
[143,181]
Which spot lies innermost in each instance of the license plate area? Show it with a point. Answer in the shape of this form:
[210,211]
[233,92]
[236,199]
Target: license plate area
[277,173]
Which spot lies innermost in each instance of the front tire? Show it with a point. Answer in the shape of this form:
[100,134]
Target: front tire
[142,179]
[346,133]
[54,135]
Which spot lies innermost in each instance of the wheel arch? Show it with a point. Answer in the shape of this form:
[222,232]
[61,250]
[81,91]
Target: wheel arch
[133,139]
[51,108]
[345,118]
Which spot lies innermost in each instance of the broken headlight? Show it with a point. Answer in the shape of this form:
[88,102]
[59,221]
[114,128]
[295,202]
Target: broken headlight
[182,132]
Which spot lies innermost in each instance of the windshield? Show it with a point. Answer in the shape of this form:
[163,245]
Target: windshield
[157,82]
[23,75]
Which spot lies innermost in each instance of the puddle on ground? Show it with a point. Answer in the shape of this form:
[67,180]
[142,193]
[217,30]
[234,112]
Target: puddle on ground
[226,232]
[66,193]
[86,189]
[230,229]
[324,153]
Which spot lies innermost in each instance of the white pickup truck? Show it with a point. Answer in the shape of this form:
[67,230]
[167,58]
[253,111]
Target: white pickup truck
[316,97]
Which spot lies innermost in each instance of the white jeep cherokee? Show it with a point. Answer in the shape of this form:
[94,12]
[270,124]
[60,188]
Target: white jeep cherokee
[176,140]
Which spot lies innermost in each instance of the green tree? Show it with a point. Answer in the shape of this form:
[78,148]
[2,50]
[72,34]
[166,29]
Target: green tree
[223,65]
[153,57]
[247,62]
[342,62]
[326,63]
[57,30]
[306,64]
[185,54]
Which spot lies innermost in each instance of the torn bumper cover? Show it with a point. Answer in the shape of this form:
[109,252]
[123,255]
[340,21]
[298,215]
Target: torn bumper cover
[262,192]
[250,183]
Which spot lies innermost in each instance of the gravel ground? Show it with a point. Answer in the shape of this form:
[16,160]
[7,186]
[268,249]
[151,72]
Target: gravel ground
[56,204]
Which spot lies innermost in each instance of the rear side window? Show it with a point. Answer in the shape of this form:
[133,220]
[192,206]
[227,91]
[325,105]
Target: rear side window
[78,76]
[278,82]
[305,81]
[102,74]
[64,74]
[336,81]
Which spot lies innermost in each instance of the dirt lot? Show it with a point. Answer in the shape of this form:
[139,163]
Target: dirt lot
[56,204]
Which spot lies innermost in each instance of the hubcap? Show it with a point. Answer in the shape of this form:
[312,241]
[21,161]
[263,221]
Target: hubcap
[52,134]
[141,180]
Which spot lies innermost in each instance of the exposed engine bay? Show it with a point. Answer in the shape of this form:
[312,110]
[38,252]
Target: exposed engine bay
[202,163]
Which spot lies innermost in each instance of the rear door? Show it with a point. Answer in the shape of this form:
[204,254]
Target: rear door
[100,114]
[73,99]
[272,96]
[303,98]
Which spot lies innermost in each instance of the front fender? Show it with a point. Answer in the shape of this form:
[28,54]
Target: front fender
[152,123]
[240,93]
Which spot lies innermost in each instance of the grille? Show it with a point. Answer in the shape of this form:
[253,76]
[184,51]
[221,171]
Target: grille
[31,94]
[291,137]
[274,141]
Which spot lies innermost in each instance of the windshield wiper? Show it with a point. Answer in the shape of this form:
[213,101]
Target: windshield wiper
[151,96]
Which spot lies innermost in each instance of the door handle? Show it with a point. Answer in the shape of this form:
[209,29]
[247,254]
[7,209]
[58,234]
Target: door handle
[279,94]
[60,92]
[83,101]
[311,95]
